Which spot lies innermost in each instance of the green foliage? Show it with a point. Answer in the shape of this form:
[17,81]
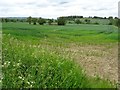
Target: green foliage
[50,21]
[24,67]
[34,20]
[78,21]
[61,21]
[110,17]
[29,19]
[7,20]
[117,22]
[110,23]
[87,21]
[88,33]
[41,21]
[96,23]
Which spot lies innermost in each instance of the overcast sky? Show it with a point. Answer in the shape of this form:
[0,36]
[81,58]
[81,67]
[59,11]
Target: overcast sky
[56,8]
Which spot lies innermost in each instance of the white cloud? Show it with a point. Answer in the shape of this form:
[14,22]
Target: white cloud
[56,8]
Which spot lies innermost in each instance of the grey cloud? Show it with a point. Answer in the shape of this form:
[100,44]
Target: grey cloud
[41,5]
[63,3]
[58,1]
[101,9]
[60,9]
[96,8]
[23,5]
[30,3]
[84,8]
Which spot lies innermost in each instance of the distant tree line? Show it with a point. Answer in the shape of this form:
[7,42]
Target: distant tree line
[63,20]
[42,21]
[12,20]
[114,21]
[94,17]
[34,20]
[71,17]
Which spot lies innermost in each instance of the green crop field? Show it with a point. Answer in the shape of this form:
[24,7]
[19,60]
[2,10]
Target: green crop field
[51,56]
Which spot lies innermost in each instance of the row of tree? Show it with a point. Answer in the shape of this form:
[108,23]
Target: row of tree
[60,20]
[41,21]
[12,20]
[94,17]
[34,21]
[78,21]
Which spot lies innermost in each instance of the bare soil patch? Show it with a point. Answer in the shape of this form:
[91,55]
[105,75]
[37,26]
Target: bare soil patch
[97,60]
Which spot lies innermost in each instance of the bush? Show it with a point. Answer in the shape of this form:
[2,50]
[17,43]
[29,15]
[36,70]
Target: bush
[50,21]
[78,21]
[110,23]
[96,23]
[29,19]
[117,22]
[87,21]
[34,20]
[41,21]
[61,21]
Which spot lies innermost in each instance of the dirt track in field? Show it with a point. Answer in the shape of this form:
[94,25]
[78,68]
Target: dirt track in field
[97,60]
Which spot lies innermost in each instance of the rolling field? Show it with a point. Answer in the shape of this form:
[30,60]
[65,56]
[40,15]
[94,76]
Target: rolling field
[52,56]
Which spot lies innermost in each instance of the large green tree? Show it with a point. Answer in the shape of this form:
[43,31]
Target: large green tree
[50,21]
[41,21]
[34,20]
[87,21]
[29,19]
[78,21]
[61,21]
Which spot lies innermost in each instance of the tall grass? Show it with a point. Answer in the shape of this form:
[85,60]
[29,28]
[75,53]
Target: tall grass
[27,65]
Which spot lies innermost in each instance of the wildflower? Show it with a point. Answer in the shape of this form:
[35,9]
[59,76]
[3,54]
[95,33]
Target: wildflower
[30,85]
[14,65]
[19,60]
[32,82]
[20,77]
[28,82]
[6,64]
[18,64]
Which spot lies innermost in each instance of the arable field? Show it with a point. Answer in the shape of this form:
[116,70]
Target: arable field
[51,56]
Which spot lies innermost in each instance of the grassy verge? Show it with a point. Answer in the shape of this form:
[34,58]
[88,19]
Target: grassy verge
[28,65]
